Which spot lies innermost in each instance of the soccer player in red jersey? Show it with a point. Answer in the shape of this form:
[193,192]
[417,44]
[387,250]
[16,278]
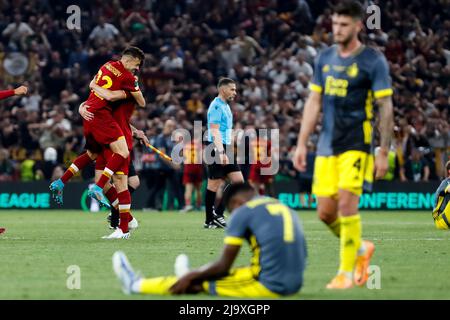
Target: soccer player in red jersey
[260,147]
[103,130]
[118,193]
[19,91]
[192,173]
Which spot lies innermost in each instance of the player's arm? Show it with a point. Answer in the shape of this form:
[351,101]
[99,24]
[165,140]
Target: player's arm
[310,116]
[20,91]
[386,127]
[382,91]
[107,94]
[216,269]
[139,97]
[139,134]
[218,142]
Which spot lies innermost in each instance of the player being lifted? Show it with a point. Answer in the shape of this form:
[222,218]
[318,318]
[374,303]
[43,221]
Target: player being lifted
[118,193]
[103,130]
[347,78]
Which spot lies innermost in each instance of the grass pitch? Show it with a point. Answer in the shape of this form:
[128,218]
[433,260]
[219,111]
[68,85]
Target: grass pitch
[38,248]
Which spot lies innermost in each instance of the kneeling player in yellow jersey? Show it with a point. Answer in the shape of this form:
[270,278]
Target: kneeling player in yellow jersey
[275,236]
[441,211]
[347,78]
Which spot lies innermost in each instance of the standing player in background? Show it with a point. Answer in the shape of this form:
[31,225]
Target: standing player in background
[348,77]
[278,246]
[19,91]
[260,147]
[103,130]
[192,174]
[220,126]
[441,210]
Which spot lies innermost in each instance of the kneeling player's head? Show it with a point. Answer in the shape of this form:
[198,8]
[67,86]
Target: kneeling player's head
[347,21]
[132,58]
[237,195]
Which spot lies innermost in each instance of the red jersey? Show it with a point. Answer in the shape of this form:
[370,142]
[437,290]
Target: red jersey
[122,112]
[261,151]
[192,153]
[113,76]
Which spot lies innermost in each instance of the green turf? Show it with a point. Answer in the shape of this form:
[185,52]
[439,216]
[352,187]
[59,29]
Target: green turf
[39,247]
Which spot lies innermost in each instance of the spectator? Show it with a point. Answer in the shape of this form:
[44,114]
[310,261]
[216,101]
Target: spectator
[6,166]
[416,168]
[17,31]
[104,32]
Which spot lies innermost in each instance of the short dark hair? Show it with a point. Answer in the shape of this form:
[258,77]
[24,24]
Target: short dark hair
[447,166]
[224,81]
[234,189]
[352,8]
[134,52]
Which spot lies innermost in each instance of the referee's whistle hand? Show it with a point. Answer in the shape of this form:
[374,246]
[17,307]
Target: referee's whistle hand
[299,159]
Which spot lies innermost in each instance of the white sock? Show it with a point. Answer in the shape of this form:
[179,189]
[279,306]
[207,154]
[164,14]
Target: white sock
[136,286]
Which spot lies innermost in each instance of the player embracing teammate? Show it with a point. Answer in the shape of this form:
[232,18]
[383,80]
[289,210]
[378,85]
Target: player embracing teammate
[108,136]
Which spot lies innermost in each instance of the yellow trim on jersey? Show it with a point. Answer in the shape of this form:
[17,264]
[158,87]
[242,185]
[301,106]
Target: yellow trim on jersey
[384,93]
[256,202]
[367,125]
[120,172]
[256,267]
[121,137]
[314,87]
[234,241]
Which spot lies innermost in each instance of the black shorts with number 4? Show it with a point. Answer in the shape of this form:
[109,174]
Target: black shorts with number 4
[219,171]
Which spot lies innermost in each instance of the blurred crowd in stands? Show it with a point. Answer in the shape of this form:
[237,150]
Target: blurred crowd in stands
[267,46]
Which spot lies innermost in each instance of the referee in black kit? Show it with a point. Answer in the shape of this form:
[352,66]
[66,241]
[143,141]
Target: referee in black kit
[220,126]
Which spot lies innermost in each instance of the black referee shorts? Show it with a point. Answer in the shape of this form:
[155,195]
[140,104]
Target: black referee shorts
[131,170]
[219,171]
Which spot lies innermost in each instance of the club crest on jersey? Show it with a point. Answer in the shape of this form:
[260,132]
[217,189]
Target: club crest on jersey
[352,71]
[326,68]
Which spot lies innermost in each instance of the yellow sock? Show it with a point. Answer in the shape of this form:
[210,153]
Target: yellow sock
[335,227]
[350,242]
[160,285]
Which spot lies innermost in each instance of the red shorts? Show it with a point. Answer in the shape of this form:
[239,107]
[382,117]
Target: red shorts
[256,176]
[193,173]
[101,131]
[103,157]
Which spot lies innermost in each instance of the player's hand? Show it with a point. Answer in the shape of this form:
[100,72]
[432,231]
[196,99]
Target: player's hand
[21,91]
[139,134]
[83,111]
[381,164]
[181,285]
[299,158]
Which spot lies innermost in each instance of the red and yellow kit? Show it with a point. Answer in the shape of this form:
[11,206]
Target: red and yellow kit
[193,168]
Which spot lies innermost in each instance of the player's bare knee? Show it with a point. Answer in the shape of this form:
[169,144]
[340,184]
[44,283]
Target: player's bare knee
[91,155]
[134,182]
[326,217]
[120,182]
[214,184]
